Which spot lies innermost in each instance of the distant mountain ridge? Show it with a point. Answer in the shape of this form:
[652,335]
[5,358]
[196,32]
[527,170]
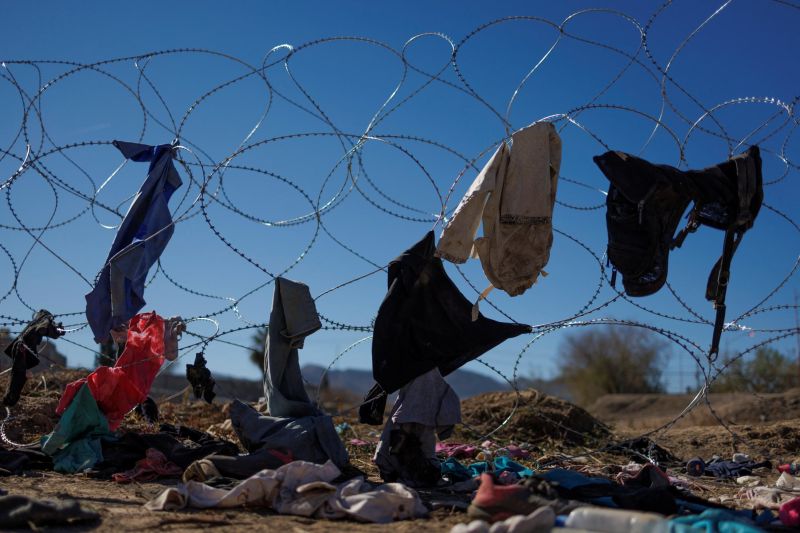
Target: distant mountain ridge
[466,383]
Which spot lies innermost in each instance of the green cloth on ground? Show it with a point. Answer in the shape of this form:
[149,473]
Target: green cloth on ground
[75,443]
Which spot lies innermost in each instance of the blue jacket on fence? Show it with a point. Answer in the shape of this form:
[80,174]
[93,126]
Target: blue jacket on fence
[141,238]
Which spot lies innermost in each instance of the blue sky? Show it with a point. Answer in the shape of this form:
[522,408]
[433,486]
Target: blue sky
[716,54]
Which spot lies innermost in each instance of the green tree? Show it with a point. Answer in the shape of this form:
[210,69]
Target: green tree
[5,338]
[768,371]
[259,339]
[612,360]
[107,355]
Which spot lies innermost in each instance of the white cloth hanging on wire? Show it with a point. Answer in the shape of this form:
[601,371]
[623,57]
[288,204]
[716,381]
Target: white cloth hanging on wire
[513,196]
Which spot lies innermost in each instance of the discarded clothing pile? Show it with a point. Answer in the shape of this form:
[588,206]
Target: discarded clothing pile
[303,489]
[723,469]
[650,491]
[484,452]
[455,450]
[564,489]
[92,407]
[82,440]
[180,445]
[597,504]
[273,441]
[505,470]
[425,409]
[24,352]
[782,498]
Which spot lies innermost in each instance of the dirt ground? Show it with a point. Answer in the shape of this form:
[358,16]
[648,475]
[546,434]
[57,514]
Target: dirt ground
[645,411]
[554,430]
[762,425]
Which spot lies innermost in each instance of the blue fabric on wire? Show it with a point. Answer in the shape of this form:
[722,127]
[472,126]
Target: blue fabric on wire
[141,238]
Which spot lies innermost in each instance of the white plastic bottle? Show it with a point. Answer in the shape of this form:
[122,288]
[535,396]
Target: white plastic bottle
[604,520]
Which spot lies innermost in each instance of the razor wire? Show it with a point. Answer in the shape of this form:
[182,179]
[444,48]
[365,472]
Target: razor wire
[207,189]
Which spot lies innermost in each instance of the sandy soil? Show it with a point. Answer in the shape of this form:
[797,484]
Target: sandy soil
[645,411]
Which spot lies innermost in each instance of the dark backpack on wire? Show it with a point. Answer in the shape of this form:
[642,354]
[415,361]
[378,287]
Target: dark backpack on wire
[646,202]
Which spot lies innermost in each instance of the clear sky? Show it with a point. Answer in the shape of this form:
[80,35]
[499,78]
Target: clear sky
[735,59]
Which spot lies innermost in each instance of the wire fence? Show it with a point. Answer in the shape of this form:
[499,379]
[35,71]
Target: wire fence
[212,197]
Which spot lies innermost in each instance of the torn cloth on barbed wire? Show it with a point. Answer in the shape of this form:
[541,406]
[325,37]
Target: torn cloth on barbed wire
[24,351]
[513,196]
[141,238]
[293,318]
[424,322]
[646,201]
[120,388]
[199,376]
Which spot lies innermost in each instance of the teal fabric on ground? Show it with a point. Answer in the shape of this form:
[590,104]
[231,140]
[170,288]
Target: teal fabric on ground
[458,472]
[75,444]
[78,456]
[455,470]
[504,464]
[711,521]
[476,469]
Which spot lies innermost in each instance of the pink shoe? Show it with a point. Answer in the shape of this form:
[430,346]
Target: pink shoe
[789,513]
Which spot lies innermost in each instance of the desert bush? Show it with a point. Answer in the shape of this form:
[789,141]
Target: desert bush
[612,360]
[768,371]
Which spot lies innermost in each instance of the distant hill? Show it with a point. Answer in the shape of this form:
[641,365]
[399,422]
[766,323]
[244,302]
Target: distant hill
[465,382]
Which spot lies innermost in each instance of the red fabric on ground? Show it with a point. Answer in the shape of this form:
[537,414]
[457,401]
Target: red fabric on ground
[120,388]
[154,465]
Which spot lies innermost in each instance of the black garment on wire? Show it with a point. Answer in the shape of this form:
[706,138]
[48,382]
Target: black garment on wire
[424,322]
[23,351]
[644,205]
[199,377]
